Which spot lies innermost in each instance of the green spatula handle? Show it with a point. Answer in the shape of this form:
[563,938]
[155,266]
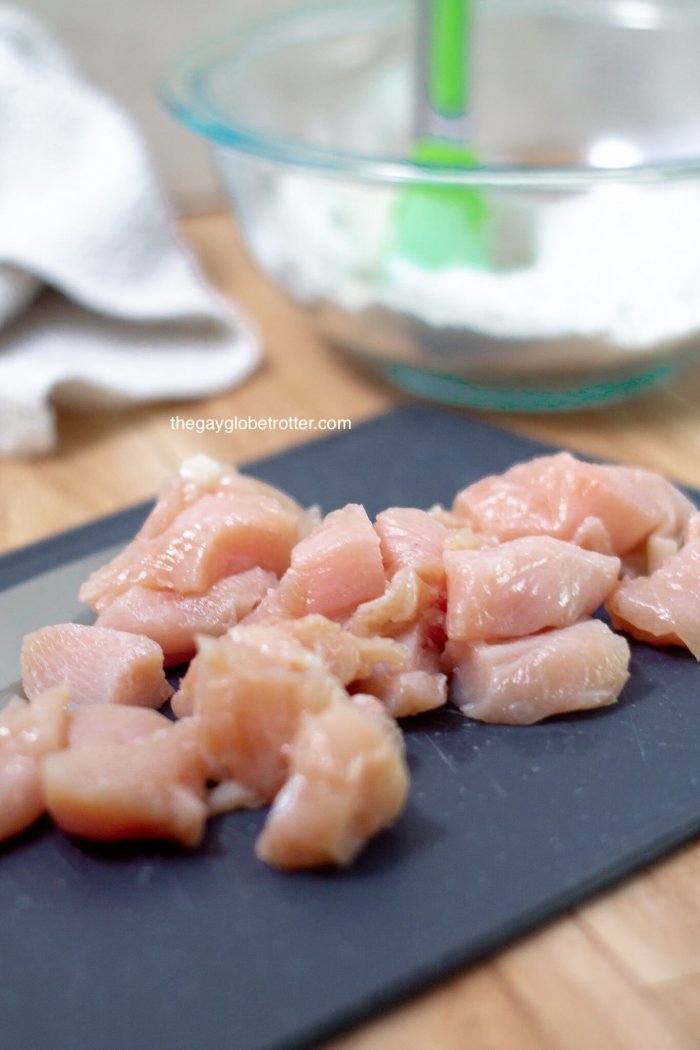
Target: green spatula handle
[444,54]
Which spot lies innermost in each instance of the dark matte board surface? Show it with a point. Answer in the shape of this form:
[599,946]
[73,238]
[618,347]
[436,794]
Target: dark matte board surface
[130,949]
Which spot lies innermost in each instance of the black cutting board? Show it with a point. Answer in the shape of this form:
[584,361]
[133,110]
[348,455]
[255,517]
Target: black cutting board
[129,949]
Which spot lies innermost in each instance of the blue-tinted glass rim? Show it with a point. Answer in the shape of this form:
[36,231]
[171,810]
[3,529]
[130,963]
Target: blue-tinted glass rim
[185,92]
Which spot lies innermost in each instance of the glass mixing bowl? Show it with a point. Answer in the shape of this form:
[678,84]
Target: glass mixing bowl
[586,126]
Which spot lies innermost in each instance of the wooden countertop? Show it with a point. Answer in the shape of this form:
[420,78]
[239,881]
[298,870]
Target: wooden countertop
[621,972]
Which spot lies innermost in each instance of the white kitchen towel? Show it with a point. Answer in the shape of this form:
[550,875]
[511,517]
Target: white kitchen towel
[130,317]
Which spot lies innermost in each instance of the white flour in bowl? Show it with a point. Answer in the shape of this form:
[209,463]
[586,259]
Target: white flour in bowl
[618,264]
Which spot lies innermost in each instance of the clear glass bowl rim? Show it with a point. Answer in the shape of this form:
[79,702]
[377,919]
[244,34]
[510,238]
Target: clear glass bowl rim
[185,92]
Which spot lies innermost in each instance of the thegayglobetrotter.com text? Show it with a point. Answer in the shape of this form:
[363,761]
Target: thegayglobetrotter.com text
[227,425]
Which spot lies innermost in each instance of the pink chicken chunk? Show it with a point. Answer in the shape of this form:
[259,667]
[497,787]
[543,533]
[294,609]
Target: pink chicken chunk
[112,724]
[417,685]
[410,612]
[219,536]
[412,539]
[346,656]
[347,781]
[199,476]
[295,622]
[333,569]
[612,509]
[523,681]
[401,605]
[523,586]
[100,666]
[664,608]
[174,620]
[28,733]
[152,786]
[247,691]
[256,694]
[200,532]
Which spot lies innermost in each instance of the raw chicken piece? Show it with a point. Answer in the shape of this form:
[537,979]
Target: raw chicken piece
[402,671]
[664,608]
[345,655]
[649,556]
[21,796]
[448,518]
[524,681]
[611,508]
[112,724]
[230,795]
[412,539]
[197,475]
[410,611]
[28,732]
[174,620]
[248,691]
[99,665]
[405,599]
[407,693]
[201,475]
[418,685]
[522,586]
[333,570]
[347,781]
[465,539]
[222,534]
[153,788]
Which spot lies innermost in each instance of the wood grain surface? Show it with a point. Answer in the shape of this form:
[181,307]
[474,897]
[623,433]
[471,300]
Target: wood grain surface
[622,972]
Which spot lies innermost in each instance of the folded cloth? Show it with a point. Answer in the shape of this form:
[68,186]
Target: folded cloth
[130,317]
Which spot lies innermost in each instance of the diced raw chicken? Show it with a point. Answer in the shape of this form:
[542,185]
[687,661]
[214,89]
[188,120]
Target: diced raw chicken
[664,608]
[220,535]
[248,691]
[174,620]
[405,599]
[153,788]
[28,732]
[610,508]
[403,671]
[197,475]
[412,539]
[201,475]
[112,724]
[99,665]
[229,796]
[347,781]
[346,656]
[21,796]
[465,539]
[411,612]
[38,727]
[209,523]
[593,535]
[521,682]
[448,518]
[650,555]
[328,607]
[407,693]
[333,570]
[523,586]
[418,685]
